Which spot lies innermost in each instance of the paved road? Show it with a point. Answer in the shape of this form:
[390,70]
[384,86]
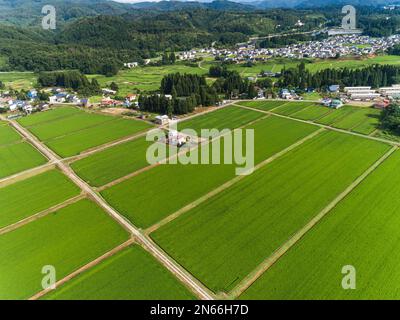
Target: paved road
[145,241]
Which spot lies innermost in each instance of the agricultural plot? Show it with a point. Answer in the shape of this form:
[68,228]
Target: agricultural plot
[358,232]
[18,80]
[28,197]
[357,118]
[312,112]
[212,240]
[69,131]
[77,142]
[68,125]
[113,163]
[337,115]
[227,118]
[7,134]
[155,194]
[19,157]
[46,116]
[291,107]
[370,124]
[67,240]
[146,78]
[132,274]
[262,105]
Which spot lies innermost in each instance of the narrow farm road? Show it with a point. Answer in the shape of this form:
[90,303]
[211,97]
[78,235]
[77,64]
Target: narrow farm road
[192,283]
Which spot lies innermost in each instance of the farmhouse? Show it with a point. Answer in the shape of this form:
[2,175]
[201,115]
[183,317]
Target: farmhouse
[175,138]
[131,65]
[162,120]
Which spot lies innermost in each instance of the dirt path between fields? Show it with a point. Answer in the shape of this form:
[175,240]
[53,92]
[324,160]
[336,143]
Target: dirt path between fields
[41,214]
[85,267]
[228,184]
[263,267]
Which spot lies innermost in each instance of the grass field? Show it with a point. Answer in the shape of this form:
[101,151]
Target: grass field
[18,80]
[113,163]
[67,240]
[132,274]
[361,231]
[19,157]
[292,107]
[277,64]
[145,78]
[155,194]
[227,118]
[8,134]
[213,240]
[262,105]
[25,198]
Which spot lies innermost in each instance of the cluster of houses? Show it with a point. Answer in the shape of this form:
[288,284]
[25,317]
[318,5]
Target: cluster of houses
[381,97]
[11,104]
[332,47]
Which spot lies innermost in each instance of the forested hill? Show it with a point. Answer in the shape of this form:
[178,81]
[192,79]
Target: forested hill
[29,12]
[97,43]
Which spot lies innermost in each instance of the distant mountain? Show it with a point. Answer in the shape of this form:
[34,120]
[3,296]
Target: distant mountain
[182,5]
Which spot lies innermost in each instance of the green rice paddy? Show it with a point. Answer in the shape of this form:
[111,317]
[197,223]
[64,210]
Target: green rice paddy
[212,240]
[362,231]
[155,194]
[67,240]
[19,157]
[131,274]
[25,198]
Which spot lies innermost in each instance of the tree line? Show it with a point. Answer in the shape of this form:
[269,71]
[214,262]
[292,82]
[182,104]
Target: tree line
[69,79]
[374,76]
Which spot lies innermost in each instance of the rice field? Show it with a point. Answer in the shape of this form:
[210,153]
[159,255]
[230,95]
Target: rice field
[113,163]
[312,112]
[8,134]
[153,195]
[212,240]
[78,142]
[66,240]
[67,125]
[362,231]
[292,107]
[131,274]
[69,131]
[262,105]
[28,197]
[227,118]
[360,117]
[337,115]
[49,115]
[19,157]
